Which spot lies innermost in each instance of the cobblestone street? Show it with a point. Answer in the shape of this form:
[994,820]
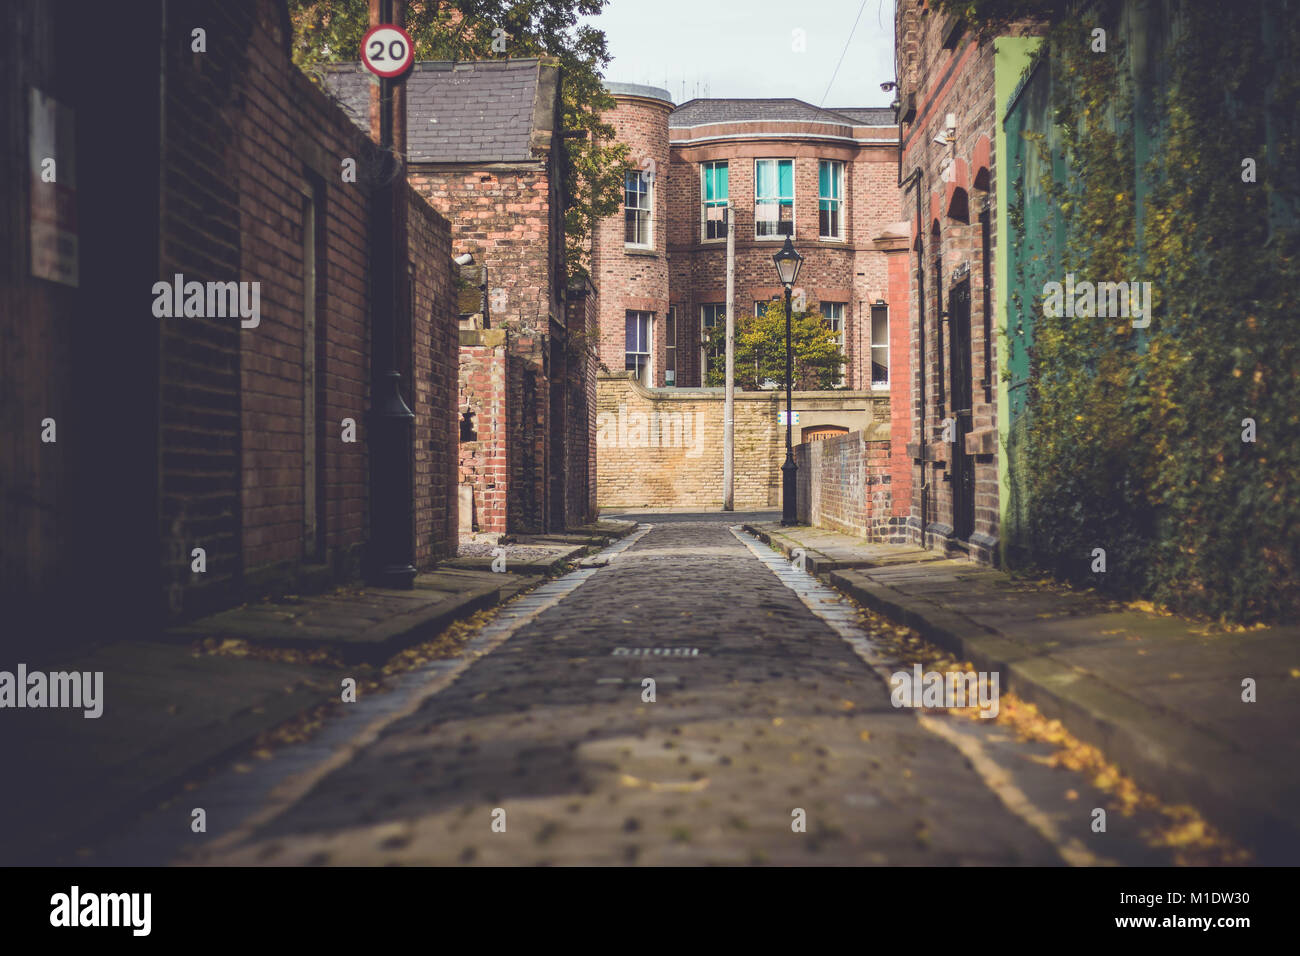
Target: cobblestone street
[762,709]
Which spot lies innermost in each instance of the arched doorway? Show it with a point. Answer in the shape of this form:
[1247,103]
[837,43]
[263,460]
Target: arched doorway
[821,432]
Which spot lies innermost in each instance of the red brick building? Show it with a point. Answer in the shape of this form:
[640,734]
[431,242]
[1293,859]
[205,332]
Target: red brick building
[484,147]
[827,178]
[241,434]
[946,106]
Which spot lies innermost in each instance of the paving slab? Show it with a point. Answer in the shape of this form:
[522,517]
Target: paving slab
[826,551]
[521,559]
[1160,695]
[360,624]
[1108,677]
[168,714]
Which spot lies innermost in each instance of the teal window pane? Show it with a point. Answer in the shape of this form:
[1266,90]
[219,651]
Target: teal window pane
[715,183]
[787,179]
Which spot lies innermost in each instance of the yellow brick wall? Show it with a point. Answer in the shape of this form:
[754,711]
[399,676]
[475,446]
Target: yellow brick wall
[662,448]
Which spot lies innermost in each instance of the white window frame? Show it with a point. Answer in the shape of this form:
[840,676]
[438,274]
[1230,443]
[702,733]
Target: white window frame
[837,167]
[871,334]
[706,203]
[647,378]
[646,190]
[836,323]
[670,346]
[794,209]
[719,311]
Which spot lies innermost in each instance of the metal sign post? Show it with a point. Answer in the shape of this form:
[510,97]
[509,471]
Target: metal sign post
[387,52]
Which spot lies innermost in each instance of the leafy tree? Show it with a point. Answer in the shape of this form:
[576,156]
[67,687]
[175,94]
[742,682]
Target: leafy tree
[330,31]
[760,350]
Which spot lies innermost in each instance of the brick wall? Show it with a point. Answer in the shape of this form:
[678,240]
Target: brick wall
[292,161]
[845,484]
[504,216]
[81,510]
[632,278]
[950,201]
[509,216]
[483,395]
[188,432]
[663,448]
[528,398]
[583,325]
[202,419]
[437,430]
[306,367]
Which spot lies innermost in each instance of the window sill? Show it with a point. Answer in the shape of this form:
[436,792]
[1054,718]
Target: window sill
[640,251]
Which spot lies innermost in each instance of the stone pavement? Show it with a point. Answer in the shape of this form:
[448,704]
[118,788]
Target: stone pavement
[542,745]
[362,624]
[1160,695]
[171,710]
[167,712]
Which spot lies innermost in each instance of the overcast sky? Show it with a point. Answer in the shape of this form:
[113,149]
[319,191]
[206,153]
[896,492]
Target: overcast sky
[745,48]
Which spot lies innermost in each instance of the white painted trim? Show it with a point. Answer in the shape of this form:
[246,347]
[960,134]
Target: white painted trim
[782,136]
[849,125]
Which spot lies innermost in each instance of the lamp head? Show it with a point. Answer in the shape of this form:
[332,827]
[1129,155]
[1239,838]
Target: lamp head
[788,262]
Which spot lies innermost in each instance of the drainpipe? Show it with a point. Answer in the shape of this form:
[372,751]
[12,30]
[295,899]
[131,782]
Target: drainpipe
[915,179]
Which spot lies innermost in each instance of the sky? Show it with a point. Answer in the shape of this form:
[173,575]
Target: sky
[747,48]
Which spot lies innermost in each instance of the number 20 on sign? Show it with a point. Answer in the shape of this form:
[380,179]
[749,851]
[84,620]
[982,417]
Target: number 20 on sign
[386,50]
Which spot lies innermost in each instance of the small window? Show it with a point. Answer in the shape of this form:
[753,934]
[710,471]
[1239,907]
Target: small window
[711,359]
[637,206]
[880,346]
[638,346]
[833,314]
[467,429]
[670,347]
[714,191]
[773,198]
[830,199]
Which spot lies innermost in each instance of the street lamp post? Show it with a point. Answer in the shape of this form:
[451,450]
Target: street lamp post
[787,268]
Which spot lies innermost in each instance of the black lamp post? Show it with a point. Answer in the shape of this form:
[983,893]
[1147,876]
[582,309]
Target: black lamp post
[787,267]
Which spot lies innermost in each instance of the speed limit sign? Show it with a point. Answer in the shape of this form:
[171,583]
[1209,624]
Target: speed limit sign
[386,50]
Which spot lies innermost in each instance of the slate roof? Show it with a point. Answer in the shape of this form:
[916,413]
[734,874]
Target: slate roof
[869,115]
[468,112]
[699,112]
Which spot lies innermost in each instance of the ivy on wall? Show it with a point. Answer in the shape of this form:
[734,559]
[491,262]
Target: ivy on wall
[1133,437]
